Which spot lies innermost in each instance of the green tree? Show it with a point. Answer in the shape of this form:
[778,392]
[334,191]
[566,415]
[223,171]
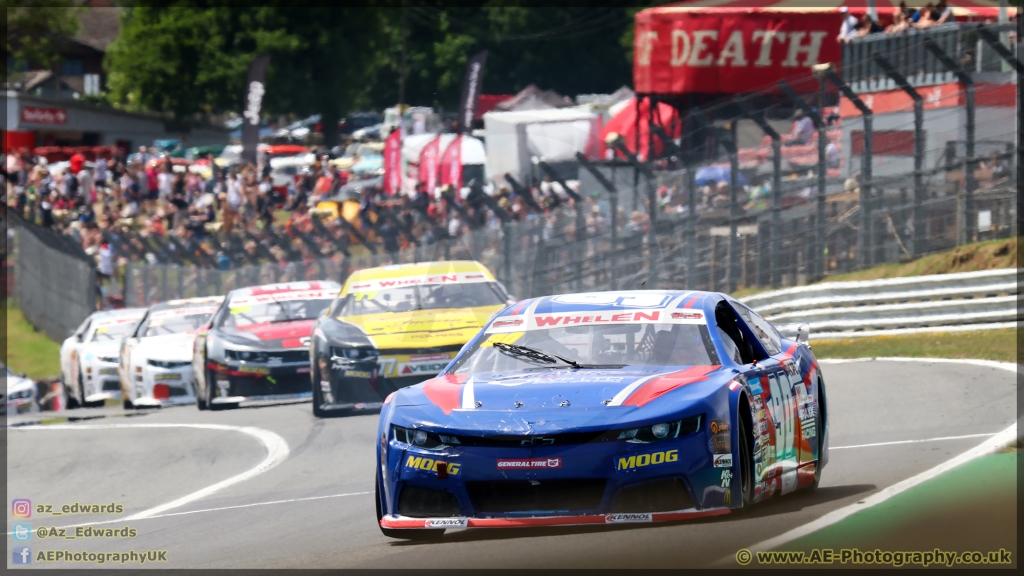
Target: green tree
[571,50]
[35,31]
[192,58]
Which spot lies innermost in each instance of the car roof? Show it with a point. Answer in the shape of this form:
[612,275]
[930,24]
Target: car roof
[105,314]
[457,271]
[182,303]
[282,287]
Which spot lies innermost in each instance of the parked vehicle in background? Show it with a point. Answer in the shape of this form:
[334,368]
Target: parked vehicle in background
[155,365]
[358,121]
[89,357]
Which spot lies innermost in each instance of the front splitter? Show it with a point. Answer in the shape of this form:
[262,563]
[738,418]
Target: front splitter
[406,523]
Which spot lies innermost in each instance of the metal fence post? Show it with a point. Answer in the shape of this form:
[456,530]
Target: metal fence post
[775,225]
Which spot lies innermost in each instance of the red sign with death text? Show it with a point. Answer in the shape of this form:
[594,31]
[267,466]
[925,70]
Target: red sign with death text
[37,115]
[729,51]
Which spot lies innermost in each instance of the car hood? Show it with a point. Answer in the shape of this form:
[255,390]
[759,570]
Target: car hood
[415,328]
[171,347]
[273,335]
[17,384]
[107,348]
[534,401]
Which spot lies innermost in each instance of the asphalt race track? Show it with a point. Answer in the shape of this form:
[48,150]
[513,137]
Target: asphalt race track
[314,508]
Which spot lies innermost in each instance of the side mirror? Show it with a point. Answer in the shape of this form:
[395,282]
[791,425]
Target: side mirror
[803,334]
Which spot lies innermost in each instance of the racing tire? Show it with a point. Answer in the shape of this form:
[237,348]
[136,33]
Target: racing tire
[746,464]
[818,433]
[70,402]
[127,404]
[318,399]
[200,400]
[209,394]
[400,534]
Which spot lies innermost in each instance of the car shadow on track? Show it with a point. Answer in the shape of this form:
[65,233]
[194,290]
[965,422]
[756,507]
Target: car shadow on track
[774,506]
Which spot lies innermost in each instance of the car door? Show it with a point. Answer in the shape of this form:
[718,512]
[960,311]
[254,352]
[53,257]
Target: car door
[783,453]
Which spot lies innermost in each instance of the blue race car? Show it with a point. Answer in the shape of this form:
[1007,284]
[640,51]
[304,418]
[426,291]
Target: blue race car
[638,406]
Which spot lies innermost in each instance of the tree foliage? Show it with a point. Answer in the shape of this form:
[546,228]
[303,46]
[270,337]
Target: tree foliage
[192,57]
[36,29]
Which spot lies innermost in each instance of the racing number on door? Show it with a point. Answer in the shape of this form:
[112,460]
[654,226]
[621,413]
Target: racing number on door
[782,413]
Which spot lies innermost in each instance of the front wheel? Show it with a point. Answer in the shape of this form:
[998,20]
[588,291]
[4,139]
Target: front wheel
[200,398]
[746,463]
[318,395]
[415,534]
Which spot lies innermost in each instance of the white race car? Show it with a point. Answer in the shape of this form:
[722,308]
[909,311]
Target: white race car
[88,359]
[21,393]
[156,359]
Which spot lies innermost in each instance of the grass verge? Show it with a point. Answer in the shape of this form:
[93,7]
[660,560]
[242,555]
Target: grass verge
[987,255]
[998,345]
[26,350]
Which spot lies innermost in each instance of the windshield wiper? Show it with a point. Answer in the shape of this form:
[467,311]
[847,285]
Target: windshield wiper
[525,352]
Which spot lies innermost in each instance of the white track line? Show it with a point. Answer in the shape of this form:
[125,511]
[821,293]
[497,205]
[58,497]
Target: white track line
[277,451]
[993,444]
[913,441]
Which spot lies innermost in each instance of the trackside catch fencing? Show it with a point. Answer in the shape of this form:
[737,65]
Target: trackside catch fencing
[54,280]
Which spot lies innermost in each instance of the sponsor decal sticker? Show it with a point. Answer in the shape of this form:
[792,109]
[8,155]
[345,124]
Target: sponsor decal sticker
[726,478]
[723,460]
[429,357]
[108,371]
[357,374]
[719,426]
[692,315]
[720,437]
[254,370]
[446,523]
[528,463]
[625,518]
[167,377]
[430,465]
[649,459]
[507,323]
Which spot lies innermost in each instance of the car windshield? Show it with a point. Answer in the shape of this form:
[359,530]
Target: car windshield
[605,345]
[113,331]
[246,313]
[175,320]
[422,297]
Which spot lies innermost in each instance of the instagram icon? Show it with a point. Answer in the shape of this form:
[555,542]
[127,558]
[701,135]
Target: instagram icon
[21,508]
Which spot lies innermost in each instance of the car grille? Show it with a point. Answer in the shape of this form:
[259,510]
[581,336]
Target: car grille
[505,496]
[658,496]
[250,386]
[289,356]
[417,502]
[111,385]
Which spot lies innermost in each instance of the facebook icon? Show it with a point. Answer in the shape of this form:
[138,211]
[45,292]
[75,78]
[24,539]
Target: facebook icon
[21,555]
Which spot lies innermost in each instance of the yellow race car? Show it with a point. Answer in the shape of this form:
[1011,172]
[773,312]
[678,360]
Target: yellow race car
[396,326]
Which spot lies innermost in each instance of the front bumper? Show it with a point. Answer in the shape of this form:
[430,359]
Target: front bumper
[607,482]
[363,385]
[102,382]
[154,386]
[251,383]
